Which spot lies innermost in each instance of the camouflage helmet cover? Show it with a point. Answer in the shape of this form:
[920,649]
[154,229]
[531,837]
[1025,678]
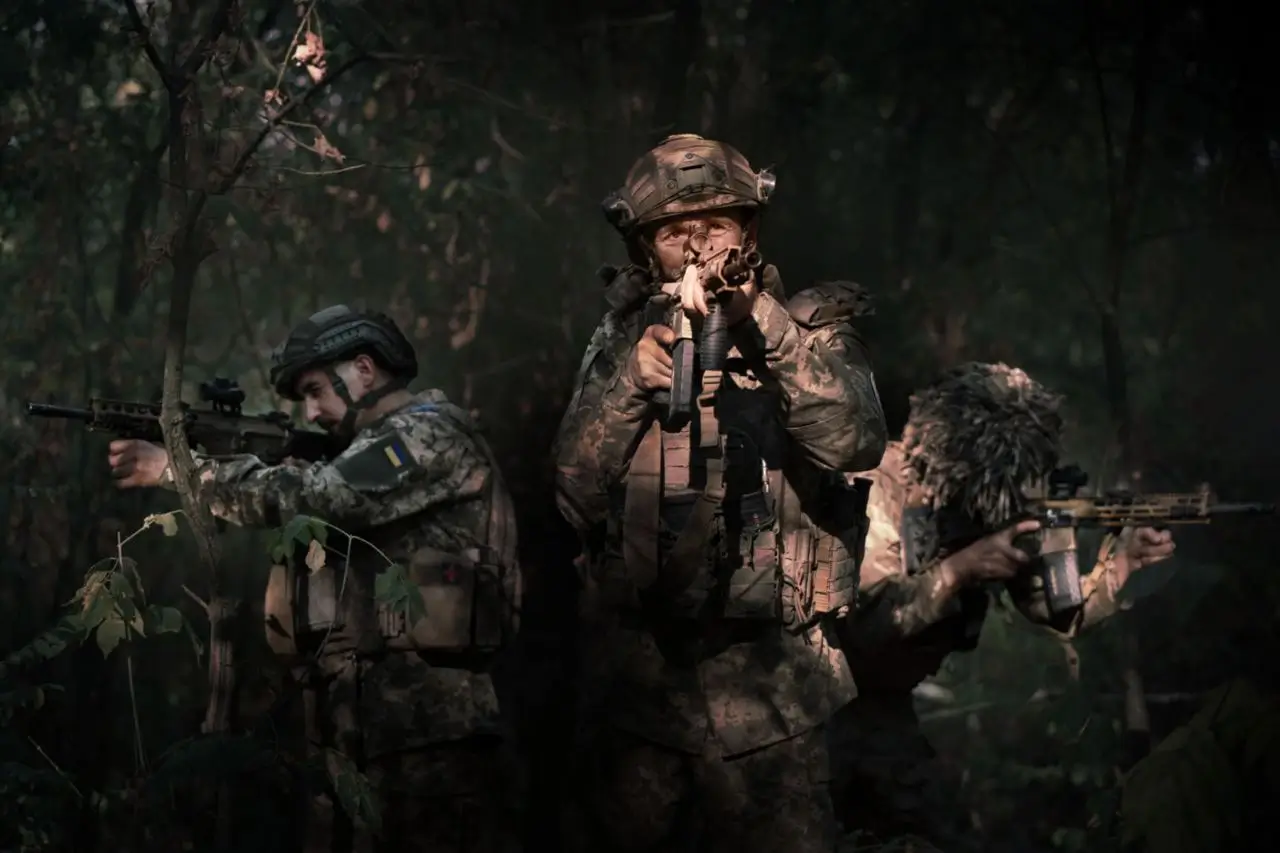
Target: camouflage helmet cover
[337,333]
[684,174]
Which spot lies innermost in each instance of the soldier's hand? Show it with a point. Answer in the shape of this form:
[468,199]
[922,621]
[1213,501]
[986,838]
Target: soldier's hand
[649,364]
[1147,545]
[992,558]
[137,464]
[1142,547]
[695,297]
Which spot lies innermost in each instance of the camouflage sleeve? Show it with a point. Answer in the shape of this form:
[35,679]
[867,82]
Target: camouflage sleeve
[1100,589]
[892,606]
[412,462]
[832,408]
[600,428]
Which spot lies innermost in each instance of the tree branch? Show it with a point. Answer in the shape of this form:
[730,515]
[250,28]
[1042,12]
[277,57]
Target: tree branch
[217,26]
[142,35]
[241,162]
[184,229]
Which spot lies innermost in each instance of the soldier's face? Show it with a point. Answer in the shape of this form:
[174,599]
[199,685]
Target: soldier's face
[671,238]
[322,405]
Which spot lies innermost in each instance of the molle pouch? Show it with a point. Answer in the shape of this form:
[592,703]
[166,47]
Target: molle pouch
[799,556]
[753,586]
[746,483]
[1059,569]
[317,598]
[838,551]
[463,601]
[278,612]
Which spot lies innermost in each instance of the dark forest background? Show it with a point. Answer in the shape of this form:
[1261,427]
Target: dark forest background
[1086,189]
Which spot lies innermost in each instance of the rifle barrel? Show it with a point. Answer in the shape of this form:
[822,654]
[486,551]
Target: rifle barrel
[51,410]
[1243,509]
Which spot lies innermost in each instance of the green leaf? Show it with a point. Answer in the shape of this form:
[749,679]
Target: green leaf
[164,620]
[98,606]
[124,594]
[319,530]
[353,790]
[299,530]
[121,586]
[109,635]
[392,587]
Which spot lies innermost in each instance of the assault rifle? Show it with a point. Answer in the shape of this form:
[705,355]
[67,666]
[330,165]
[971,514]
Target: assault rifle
[220,430]
[1064,511]
[719,273]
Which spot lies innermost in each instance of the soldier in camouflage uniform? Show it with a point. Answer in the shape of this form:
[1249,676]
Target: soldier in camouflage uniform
[979,435]
[413,706]
[719,550]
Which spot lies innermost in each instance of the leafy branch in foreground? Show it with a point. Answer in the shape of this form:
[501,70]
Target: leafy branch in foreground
[392,586]
[110,605]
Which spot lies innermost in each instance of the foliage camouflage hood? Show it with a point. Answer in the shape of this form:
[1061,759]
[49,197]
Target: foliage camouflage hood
[980,434]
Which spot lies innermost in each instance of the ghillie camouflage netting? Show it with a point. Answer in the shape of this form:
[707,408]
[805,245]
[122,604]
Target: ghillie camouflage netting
[979,435]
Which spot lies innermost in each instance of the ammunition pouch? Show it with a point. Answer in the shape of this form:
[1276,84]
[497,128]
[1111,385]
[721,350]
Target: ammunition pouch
[821,559]
[748,530]
[740,565]
[840,551]
[465,603]
[464,595]
[278,612]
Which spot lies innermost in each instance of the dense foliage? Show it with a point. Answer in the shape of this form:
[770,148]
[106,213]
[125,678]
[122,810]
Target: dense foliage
[1086,190]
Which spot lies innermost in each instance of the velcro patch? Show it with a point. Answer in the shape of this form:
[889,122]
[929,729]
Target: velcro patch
[381,465]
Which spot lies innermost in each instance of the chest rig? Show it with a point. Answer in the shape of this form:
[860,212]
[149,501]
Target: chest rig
[719,517]
[471,595]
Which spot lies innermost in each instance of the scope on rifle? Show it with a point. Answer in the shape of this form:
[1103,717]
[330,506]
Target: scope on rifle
[225,395]
[1066,481]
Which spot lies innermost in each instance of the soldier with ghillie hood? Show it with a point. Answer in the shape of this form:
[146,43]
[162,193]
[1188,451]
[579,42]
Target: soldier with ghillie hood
[976,444]
[719,551]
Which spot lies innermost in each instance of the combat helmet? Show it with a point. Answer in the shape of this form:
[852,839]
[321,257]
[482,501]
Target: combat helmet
[686,173]
[336,334]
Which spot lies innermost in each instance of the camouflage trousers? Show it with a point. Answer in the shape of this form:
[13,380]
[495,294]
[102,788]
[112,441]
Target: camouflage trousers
[454,796]
[887,781]
[633,796]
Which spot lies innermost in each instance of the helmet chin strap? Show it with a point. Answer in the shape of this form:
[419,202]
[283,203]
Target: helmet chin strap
[347,426]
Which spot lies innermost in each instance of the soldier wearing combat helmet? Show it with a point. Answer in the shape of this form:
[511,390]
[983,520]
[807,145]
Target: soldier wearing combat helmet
[716,561]
[976,441]
[412,705]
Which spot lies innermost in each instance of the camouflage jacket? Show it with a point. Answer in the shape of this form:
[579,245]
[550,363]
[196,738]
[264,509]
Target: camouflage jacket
[907,623]
[701,690]
[418,480]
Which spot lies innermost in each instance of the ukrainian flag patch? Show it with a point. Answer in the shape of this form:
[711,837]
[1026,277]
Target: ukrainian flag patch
[380,465]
